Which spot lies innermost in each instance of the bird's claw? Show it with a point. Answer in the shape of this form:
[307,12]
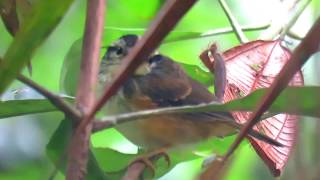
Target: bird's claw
[149,158]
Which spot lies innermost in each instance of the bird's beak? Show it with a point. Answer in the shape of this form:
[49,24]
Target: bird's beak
[143,69]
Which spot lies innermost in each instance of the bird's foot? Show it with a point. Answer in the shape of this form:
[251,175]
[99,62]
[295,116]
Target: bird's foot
[150,157]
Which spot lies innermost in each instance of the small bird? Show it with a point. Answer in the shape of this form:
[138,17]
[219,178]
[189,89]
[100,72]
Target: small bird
[161,82]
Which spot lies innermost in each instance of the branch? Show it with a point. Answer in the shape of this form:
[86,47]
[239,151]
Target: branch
[79,145]
[54,99]
[111,121]
[281,20]
[198,34]
[216,32]
[234,23]
[293,19]
[309,45]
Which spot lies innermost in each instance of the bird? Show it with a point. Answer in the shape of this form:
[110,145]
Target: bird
[157,83]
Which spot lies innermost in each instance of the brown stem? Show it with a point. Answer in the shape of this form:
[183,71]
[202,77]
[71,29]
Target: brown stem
[216,64]
[54,99]
[79,146]
[9,16]
[308,46]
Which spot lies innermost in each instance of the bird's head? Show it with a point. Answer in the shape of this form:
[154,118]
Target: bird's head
[116,52]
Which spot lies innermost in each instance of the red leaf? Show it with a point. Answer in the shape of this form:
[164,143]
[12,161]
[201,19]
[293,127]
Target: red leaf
[252,66]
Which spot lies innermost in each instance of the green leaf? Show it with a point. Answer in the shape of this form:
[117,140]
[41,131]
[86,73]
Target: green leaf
[71,69]
[198,74]
[134,8]
[28,106]
[115,162]
[43,18]
[57,148]
[111,160]
[293,100]
[176,157]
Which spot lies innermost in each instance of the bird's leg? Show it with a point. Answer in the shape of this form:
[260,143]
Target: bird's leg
[219,72]
[150,157]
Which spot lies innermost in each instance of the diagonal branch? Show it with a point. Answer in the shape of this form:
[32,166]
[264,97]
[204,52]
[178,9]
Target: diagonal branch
[216,32]
[309,45]
[234,23]
[54,99]
[284,19]
[293,19]
[79,145]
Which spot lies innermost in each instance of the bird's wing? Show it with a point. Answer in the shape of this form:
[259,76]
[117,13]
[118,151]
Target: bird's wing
[168,85]
[165,85]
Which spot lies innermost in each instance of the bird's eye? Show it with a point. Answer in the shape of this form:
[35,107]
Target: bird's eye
[111,49]
[155,59]
[119,51]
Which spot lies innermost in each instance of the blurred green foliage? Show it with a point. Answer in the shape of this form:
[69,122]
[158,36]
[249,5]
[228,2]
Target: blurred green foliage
[57,59]
[33,31]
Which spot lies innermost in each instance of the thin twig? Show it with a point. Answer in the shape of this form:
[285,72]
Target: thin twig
[85,99]
[294,18]
[209,33]
[54,99]
[280,20]
[234,23]
[309,45]
[294,35]
[111,121]
[216,32]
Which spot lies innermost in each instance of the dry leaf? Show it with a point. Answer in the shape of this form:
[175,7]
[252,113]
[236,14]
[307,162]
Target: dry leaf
[252,66]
